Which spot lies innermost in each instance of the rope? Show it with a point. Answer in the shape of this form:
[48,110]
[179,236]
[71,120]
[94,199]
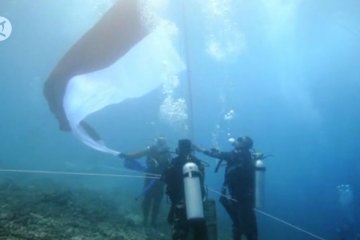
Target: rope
[76,173]
[221,194]
[188,73]
[275,218]
[133,171]
[289,224]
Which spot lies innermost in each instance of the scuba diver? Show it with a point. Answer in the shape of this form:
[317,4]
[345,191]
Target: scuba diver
[184,181]
[347,229]
[238,191]
[158,159]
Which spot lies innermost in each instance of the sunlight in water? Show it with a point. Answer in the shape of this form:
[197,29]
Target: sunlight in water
[224,40]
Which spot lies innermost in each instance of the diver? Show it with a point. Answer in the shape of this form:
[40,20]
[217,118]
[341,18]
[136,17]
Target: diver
[238,193]
[184,181]
[158,159]
[347,229]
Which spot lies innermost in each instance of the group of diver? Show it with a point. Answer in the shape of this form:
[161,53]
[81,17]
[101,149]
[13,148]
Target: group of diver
[182,178]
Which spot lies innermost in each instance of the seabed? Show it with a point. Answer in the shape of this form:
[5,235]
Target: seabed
[45,210]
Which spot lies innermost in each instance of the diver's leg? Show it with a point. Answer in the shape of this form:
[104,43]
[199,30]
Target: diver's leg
[180,225]
[250,224]
[232,211]
[146,203]
[157,198]
[236,232]
[238,223]
[247,218]
[228,206]
[146,209]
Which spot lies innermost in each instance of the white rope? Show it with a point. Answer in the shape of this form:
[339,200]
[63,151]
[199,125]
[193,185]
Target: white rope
[275,218]
[133,171]
[76,173]
[289,224]
[221,194]
[188,73]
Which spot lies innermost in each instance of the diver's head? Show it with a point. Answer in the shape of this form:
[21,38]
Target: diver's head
[184,147]
[243,143]
[345,194]
[160,144]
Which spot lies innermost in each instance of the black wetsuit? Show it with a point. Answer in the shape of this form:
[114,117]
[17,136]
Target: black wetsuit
[173,178]
[240,181]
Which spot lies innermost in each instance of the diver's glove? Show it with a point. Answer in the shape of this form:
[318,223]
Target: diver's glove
[214,151]
[196,148]
[258,156]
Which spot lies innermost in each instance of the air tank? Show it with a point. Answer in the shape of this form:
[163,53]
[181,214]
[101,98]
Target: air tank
[193,193]
[259,183]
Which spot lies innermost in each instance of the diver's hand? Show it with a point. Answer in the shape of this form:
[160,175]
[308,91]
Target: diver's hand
[258,156]
[197,148]
[261,156]
[214,151]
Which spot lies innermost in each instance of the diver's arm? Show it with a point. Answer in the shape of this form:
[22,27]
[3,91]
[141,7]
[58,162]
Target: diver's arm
[211,153]
[202,180]
[135,155]
[222,156]
[215,153]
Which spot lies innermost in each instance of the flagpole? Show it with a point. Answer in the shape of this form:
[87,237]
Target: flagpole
[188,73]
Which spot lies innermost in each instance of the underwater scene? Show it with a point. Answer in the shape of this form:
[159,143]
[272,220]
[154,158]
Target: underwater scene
[180,119]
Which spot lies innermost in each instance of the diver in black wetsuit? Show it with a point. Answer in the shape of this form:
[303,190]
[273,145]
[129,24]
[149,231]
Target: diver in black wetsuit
[173,178]
[158,159]
[240,182]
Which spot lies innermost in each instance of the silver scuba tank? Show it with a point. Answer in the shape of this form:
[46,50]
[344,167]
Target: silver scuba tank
[192,190]
[259,183]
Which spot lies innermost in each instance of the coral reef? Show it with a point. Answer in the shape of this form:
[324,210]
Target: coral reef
[46,210]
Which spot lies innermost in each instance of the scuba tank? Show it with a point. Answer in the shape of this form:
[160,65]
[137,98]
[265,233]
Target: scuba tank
[259,180]
[193,192]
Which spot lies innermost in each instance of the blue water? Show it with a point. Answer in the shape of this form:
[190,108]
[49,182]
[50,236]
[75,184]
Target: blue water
[292,78]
